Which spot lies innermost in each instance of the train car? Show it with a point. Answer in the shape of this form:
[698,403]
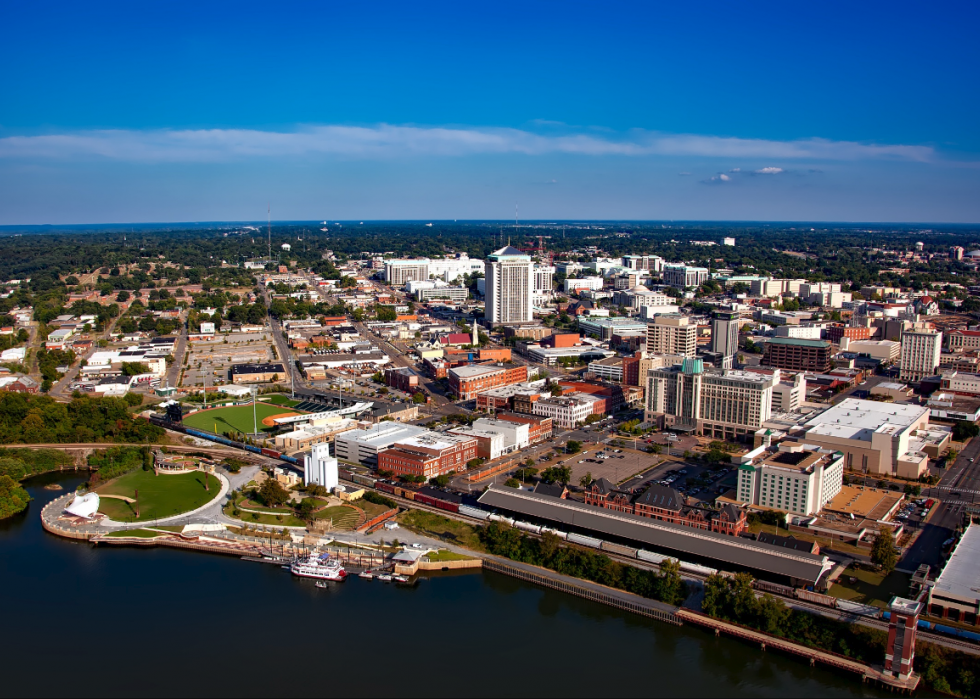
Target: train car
[385,487]
[651,557]
[533,528]
[584,540]
[697,569]
[815,598]
[363,480]
[271,452]
[254,450]
[859,609]
[773,588]
[474,512]
[560,534]
[619,549]
[290,459]
[447,506]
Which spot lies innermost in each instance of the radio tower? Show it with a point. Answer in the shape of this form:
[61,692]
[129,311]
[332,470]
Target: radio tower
[270,233]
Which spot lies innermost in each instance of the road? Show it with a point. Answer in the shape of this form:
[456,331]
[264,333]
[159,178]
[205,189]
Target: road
[958,492]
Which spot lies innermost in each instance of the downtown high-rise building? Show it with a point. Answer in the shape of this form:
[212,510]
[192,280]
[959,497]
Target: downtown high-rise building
[724,336]
[509,287]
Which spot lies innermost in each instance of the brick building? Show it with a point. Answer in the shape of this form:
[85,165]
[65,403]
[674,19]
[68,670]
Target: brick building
[402,378]
[666,504]
[836,332]
[257,373]
[540,427]
[466,382]
[428,455]
[798,355]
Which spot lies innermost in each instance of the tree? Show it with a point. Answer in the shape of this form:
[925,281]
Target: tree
[557,474]
[964,430]
[883,550]
[272,493]
[418,397]
[586,480]
[512,483]
[441,480]
[573,447]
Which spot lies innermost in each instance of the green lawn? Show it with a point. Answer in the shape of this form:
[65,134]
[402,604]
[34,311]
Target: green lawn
[371,509]
[280,400]
[288,520]
[446,555]
[159,496]
[342,516]
[441,527]
[871,587]
[237,418]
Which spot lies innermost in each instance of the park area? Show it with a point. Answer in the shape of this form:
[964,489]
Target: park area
[159,496]
[237,418]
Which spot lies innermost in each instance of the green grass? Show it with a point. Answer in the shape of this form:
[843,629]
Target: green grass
[159,496]
[441,527]
[446,555]
[280,400]
[288,520]
[871,587]
[136,533]
[236,418]
[247,505]
[371,510]
[344,517]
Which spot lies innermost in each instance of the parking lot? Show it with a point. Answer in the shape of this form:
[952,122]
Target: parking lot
[613,464]
[214,359]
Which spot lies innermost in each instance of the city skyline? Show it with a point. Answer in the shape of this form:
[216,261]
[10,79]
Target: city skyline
[624,112]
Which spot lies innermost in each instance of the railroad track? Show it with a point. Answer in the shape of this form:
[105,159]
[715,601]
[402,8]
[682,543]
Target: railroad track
[829,612]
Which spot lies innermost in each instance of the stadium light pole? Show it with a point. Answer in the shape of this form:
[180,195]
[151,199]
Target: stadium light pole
[255,422]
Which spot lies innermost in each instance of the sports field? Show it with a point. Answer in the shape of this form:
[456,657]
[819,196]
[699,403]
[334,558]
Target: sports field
[237,418]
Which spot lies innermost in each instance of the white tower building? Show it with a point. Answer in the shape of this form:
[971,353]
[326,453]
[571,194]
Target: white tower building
[321,468]
[510,284]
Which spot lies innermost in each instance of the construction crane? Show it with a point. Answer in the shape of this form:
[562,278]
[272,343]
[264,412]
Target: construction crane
[539,249]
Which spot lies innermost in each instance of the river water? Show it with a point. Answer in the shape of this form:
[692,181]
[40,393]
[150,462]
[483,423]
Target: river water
[87,621]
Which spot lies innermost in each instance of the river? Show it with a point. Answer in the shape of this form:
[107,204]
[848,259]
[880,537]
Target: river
[87,621]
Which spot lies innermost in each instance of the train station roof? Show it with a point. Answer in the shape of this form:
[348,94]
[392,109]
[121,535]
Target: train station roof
[734,551]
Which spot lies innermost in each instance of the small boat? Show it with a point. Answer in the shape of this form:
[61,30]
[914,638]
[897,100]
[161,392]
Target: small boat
[400,578]
[367,575]
[384,577]
[321,584]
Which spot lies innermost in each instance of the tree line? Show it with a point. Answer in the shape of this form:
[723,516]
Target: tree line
[36,419]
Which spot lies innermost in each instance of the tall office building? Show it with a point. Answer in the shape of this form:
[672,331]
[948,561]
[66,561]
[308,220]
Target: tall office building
[724,405]
[672,333]
[510,284]
[544,279]
[682,276]
[724,336]
[920,354]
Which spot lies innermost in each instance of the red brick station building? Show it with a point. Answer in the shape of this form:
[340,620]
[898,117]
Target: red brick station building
[666,504]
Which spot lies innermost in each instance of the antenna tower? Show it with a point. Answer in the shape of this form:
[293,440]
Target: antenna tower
[270,232]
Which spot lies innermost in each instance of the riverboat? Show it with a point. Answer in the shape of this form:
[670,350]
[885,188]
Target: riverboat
[322,567]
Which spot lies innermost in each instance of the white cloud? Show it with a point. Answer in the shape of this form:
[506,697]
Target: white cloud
[769,171]
[717,179]
[387,141]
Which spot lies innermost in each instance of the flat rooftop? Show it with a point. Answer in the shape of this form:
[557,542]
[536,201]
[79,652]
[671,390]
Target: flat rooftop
[674,537]
[864,502]
[853,418]
[961,576]
[474,370]
[432,440]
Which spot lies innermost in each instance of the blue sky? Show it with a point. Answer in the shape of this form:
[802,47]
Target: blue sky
[172,111]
